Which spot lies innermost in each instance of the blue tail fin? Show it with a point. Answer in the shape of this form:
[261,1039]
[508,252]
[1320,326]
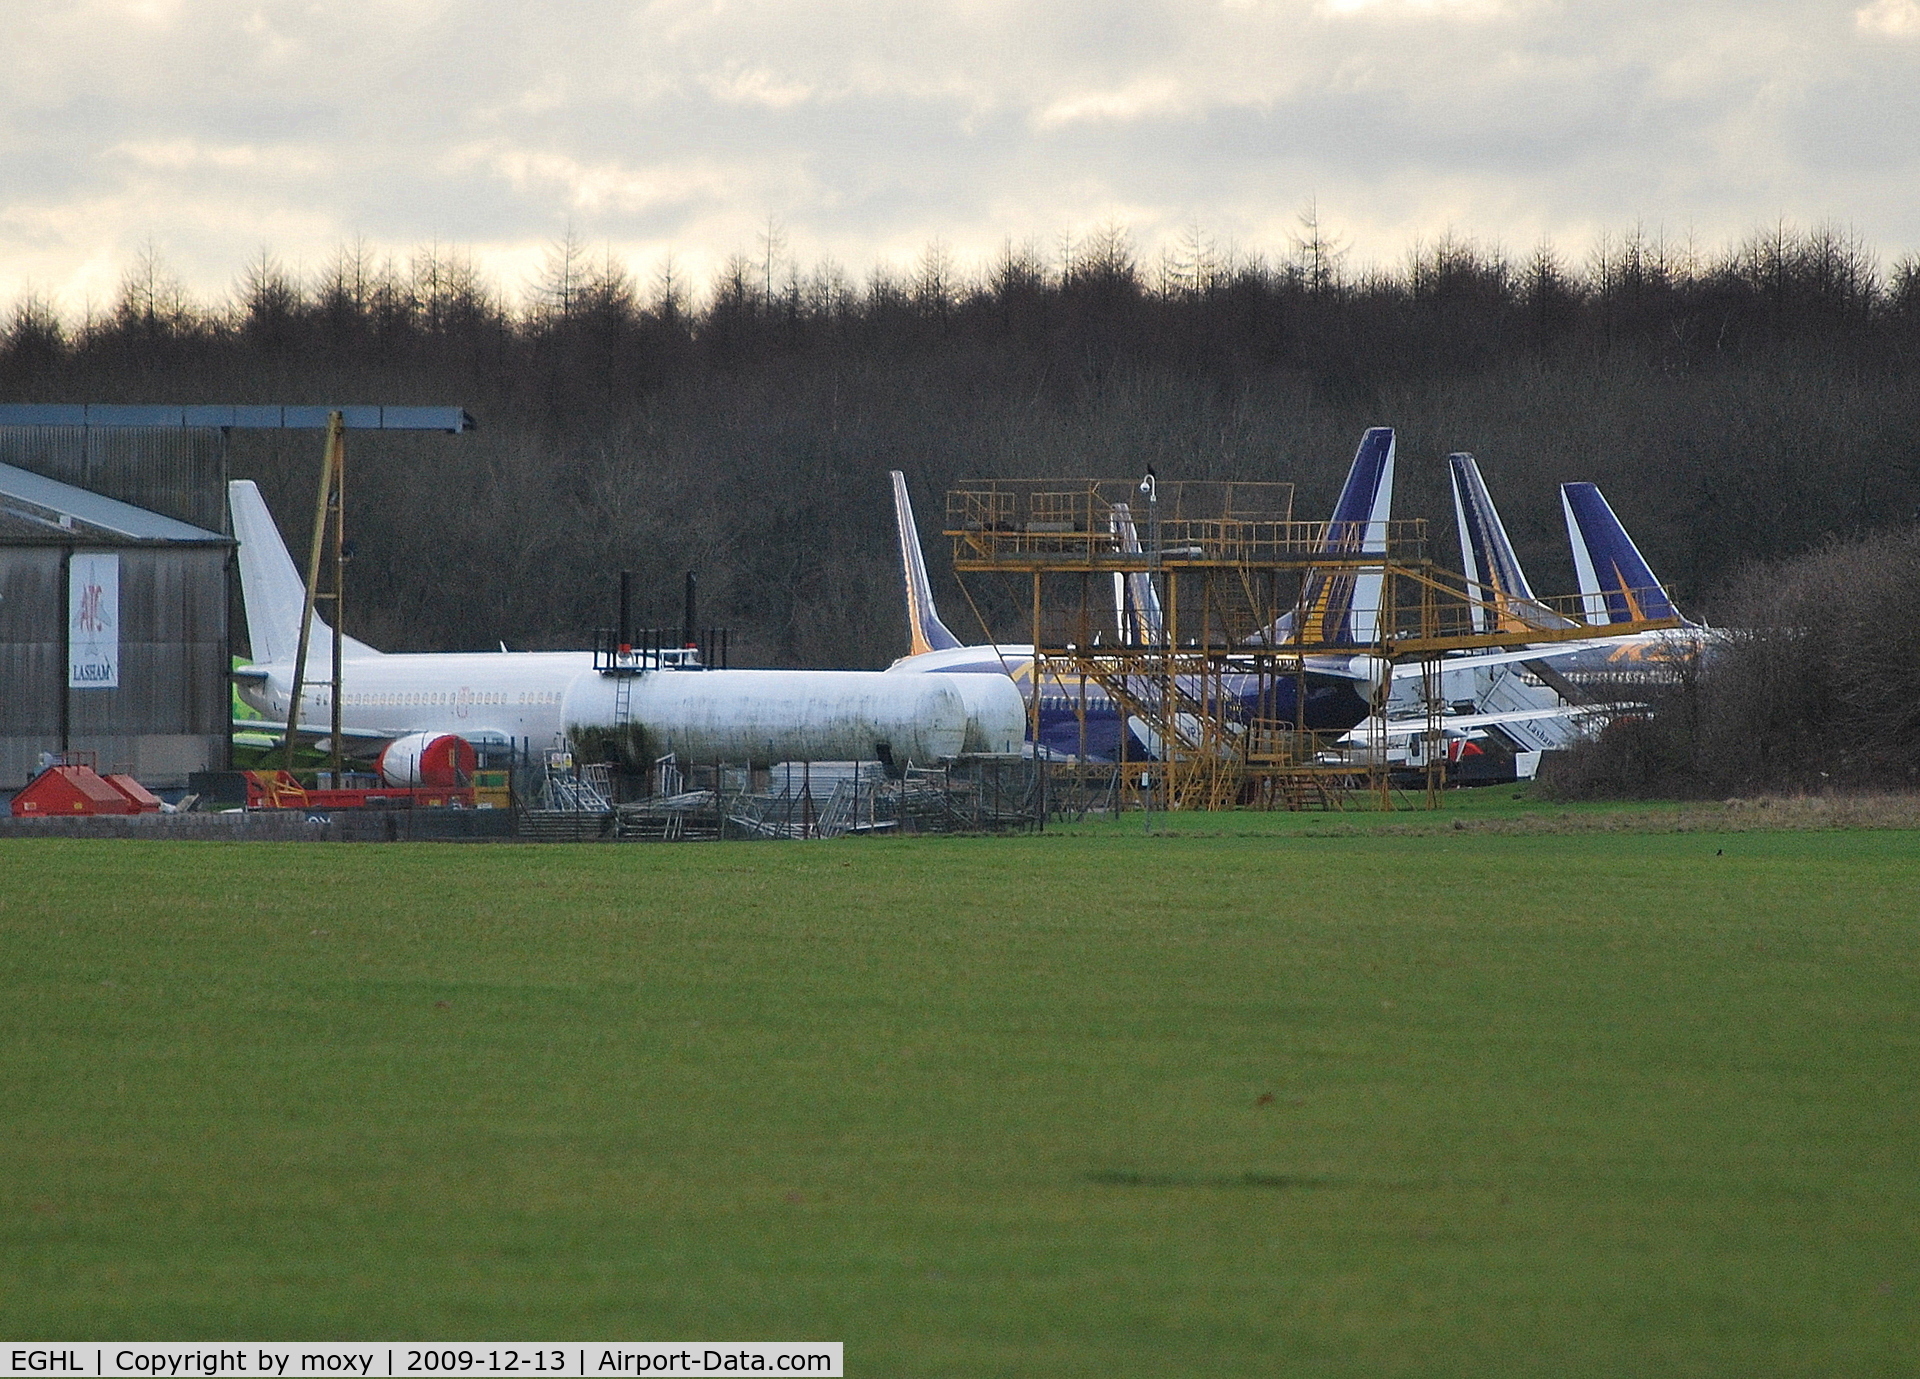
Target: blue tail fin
[926,631]
[1342,607]
[1504,600]
[1616,583]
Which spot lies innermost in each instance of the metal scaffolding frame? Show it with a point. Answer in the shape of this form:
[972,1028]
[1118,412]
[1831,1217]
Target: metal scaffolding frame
[1205,631]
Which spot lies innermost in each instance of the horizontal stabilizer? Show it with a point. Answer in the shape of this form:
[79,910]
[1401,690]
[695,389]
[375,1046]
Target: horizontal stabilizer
[1480,660]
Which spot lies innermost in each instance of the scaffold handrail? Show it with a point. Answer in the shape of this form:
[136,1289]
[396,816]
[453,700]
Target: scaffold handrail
[992,502]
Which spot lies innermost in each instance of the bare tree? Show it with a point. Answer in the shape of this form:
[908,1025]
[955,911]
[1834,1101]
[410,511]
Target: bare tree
[670,303]
[773,249]
[933,281]
[151,298]
[1319,255]
[564,277]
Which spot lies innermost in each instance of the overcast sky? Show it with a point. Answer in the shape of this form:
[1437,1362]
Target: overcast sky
[215,128]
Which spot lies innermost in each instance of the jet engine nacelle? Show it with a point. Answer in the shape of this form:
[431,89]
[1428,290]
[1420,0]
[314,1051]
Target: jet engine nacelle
[1376,673]
[434,759]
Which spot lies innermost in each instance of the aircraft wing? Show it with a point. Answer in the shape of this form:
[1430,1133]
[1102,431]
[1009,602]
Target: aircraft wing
[1542,651]
[321,731]
[485,739]
[1464,722]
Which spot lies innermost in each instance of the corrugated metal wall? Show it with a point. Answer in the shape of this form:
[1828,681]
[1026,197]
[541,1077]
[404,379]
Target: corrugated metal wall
[170,714]
[181,472]
[33,651]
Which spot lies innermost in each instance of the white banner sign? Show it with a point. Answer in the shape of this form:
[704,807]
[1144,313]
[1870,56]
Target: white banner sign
[93,621]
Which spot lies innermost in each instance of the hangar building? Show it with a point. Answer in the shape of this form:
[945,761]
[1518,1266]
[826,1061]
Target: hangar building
[113,634]
[115,568]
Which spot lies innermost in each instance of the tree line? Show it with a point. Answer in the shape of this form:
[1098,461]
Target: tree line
[1738,404]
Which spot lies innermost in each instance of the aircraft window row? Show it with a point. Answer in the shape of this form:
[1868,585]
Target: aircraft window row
[432,698]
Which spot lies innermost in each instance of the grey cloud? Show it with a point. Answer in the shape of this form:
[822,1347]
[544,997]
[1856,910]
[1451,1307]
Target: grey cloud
[866,125]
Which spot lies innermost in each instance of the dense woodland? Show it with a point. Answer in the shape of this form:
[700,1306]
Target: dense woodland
[1742,404]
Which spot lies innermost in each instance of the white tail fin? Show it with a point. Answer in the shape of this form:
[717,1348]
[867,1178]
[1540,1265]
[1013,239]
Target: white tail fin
[273,591]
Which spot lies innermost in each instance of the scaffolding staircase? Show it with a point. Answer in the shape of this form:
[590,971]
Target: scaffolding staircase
[1171,700]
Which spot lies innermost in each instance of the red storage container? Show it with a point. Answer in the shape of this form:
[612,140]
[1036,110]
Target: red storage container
[60,792]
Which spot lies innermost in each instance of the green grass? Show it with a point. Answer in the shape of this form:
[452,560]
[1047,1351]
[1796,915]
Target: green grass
[1588,1104]
[1490,806]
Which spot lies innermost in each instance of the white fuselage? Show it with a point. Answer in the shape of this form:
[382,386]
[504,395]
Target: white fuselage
[535,698]
[512,695]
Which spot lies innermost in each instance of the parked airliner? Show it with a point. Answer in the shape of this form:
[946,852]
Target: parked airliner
[494,699]
[1081,721]
[1545,696]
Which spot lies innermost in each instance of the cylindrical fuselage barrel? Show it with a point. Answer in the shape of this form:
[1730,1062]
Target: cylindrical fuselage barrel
[780,715]
[700,715]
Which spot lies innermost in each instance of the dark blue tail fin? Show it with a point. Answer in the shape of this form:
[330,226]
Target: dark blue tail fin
[1503,600]
[1342,607]
[1616,584]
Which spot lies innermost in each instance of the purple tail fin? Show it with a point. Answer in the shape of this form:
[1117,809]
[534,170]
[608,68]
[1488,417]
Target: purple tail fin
[1342,607]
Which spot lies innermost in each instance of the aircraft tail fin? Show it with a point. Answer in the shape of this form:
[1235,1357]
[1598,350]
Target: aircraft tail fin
[1616,583]
[924,628]
[1504,600]
[1136,601]
[272,590]
[1342,607]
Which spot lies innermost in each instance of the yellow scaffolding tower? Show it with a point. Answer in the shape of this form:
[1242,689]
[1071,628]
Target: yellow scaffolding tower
[1214,623]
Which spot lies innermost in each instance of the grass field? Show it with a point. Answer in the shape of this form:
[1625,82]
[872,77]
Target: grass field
[1465,1103]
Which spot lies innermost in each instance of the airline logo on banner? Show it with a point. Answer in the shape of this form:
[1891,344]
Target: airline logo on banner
[93,626]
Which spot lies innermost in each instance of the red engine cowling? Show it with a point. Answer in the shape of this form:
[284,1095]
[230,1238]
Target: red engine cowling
[433,759]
